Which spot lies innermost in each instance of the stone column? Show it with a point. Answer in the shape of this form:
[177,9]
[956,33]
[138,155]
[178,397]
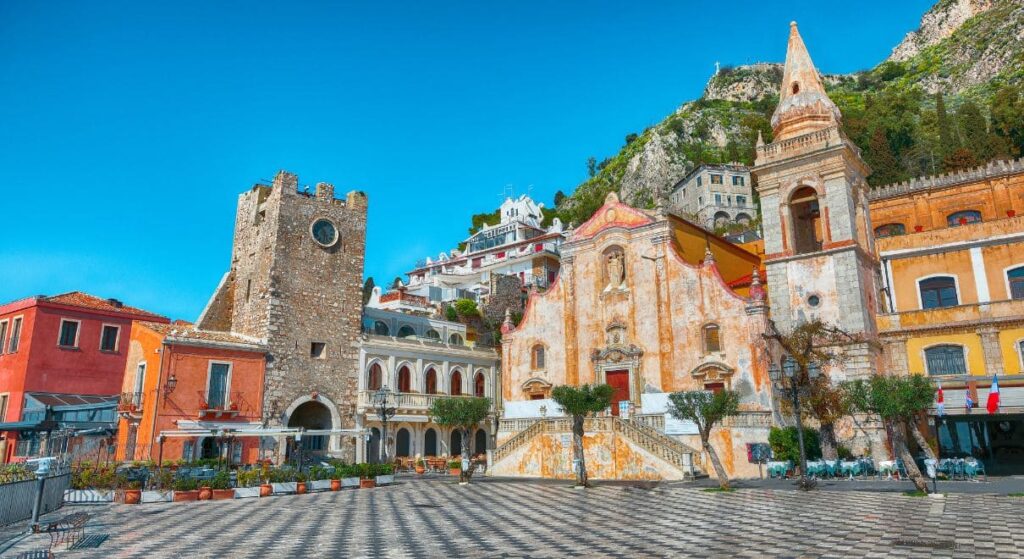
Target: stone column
[992,353]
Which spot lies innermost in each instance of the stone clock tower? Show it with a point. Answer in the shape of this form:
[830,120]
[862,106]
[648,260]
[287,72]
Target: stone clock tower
[296,283]
[817,231]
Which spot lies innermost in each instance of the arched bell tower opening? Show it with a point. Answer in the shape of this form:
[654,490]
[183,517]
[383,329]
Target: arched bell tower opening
[805,212]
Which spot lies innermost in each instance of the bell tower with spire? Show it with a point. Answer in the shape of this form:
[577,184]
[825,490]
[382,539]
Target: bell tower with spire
[819,253]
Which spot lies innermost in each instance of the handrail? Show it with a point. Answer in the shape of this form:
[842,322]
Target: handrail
[660,445]
[518,440]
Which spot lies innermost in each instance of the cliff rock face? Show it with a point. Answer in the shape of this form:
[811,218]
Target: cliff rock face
[937,24]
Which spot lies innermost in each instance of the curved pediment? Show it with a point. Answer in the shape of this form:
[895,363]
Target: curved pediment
[536,384]
[712,369]
[612,214]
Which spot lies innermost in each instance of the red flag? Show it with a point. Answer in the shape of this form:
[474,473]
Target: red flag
[993,396]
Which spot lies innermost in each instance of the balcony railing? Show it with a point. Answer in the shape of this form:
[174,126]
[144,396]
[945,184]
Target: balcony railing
[131,402]
[975,314]
[225,405]
[406,401]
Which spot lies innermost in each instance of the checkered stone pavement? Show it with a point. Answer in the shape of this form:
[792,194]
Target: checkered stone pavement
[502,518]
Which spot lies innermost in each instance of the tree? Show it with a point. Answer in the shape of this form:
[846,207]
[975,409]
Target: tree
[591,168]
[560,196]
[367,289]
[959,160]
[579,402]
[466,308]
[886,168]
[1007,111]
[947,142]
[705,409]
[463,414]
[974,131]
[898,401]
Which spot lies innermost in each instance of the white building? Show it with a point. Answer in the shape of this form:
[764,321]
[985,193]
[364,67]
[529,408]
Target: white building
[516,246]
[715,195]
[421,359]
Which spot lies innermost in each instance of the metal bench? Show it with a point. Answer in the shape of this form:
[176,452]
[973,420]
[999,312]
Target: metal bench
[67,530]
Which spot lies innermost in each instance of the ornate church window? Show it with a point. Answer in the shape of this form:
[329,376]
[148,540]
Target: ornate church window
[712,342]
[537,357]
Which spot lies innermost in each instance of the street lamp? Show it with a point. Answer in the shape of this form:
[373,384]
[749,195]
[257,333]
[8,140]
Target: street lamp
[380,401]
[795,374]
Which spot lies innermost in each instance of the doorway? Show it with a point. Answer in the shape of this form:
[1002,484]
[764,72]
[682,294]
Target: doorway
[619,381]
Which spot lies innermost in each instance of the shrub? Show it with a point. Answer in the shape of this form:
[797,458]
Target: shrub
[94,477]
[320,472]
[162,478]
[786,445]
[281,475]
[455,465]
[185,484]
[248,478]
[466,307]
[221,480]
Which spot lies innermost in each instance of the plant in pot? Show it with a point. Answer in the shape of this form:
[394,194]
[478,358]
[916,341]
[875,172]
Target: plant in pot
[367,476]
[221,486]
[421,466]
[132,491]
[300,482]
[205,491]
[455,467]
[185,489]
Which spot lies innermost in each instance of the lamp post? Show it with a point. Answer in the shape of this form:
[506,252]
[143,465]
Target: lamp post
[796,374]
[380,401]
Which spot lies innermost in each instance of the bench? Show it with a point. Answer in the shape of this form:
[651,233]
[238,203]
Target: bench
[67,530]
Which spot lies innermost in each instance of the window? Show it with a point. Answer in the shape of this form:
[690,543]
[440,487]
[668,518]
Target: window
[1015,277]
[739,181]
[699,181]
[741,201]
[3,339]
[4,398]
[15,335]
[938,292]
[456,384]
[430,384]
[406,332]
[374,378]
[890,230]
[381,329]
[433,335]
[478,385]
[455,339]
[317,350]
[718,199]
[945,360]
[404,380]
[68,333]
[716,179]
[248,289]
[217,390]
[108,338]
[963,218]
[712,343]
[807,233]
[700,200]
[537,357]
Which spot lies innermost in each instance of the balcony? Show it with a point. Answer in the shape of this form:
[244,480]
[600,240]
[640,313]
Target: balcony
[406,402]
[972,315]
[130,404]
[223,406]
[908,243]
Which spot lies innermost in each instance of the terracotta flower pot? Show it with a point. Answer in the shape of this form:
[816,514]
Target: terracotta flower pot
[300,488]
[918,228]
[205,493]
[420,470]
[190,495]
[132,496]
[222,494]
[367,483]
[1011,213]
[455,471]
[335,485]
[266,490]
[963,221]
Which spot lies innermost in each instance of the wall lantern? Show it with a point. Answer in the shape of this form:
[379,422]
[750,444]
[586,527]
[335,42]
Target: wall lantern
[170,385]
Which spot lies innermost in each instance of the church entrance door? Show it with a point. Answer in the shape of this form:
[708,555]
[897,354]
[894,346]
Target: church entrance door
[619,381]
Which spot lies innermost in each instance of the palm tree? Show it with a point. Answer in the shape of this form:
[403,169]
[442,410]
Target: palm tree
[579,402]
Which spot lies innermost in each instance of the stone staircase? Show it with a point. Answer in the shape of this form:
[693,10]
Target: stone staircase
[675,453]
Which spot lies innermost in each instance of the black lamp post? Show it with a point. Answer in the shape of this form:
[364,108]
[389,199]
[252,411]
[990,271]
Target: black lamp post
[796,375]
[380,401]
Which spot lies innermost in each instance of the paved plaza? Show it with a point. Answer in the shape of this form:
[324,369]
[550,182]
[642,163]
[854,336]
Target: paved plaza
[506,518]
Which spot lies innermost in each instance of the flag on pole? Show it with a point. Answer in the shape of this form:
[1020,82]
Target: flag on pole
[993,396]
[968,401]
[940,406]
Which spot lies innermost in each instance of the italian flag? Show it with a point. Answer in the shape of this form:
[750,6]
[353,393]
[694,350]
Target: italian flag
[993,396]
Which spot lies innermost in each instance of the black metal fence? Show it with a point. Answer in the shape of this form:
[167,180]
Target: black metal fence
[17,498]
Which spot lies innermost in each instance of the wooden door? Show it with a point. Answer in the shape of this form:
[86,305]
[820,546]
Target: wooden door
[619,381]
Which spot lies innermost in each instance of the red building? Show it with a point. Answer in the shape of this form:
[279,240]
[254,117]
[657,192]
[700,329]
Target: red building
[69,344]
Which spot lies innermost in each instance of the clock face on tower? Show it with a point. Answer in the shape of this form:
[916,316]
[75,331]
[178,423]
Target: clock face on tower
[324,232]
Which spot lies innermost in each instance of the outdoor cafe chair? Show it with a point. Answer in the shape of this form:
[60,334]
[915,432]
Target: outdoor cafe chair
[973,467]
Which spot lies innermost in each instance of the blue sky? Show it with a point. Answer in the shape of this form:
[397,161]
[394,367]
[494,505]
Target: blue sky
[127,129]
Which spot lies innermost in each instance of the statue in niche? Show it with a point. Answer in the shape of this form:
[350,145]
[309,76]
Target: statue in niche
[615,267]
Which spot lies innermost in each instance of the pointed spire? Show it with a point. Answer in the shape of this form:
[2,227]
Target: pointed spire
[803,104]
[507,325]
[709,257]
[756,289]
[760,139]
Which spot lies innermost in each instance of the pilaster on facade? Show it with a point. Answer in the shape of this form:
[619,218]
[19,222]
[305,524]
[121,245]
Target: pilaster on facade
[992,350]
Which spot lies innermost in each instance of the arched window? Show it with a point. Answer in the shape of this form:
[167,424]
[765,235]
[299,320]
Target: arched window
[537,357]
[456,384]
[455,339]
[381,329]
[430,382]
[947,359]
[455,446]
[963,218]
[433,335]
[430,443]
[803,207]
[478,385]
[480,442]
[406,332]
[404,380]
[938,292]
[890,230]
[402,442]
[721,219]
[1015,277]
[743,219]
[712,342]
[374,378]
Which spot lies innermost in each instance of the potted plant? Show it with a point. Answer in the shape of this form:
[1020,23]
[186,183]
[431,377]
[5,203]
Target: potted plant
[455,467]
[300,482]
[132,492]
[1011,213]
[248,484]
[205,491]
[185,489]
[385,474]
[367,475]
[421,466]
[349,475]
[160,482]
[320,478]
[221,486]
[282,480]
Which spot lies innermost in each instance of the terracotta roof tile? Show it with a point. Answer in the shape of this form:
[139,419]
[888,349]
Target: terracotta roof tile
[189,332]
[80,299]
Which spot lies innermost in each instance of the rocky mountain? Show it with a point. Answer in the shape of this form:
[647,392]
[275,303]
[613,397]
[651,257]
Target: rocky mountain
[963,48]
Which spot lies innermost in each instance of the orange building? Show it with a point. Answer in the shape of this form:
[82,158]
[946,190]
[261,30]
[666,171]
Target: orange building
[951,253]
[178,380]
